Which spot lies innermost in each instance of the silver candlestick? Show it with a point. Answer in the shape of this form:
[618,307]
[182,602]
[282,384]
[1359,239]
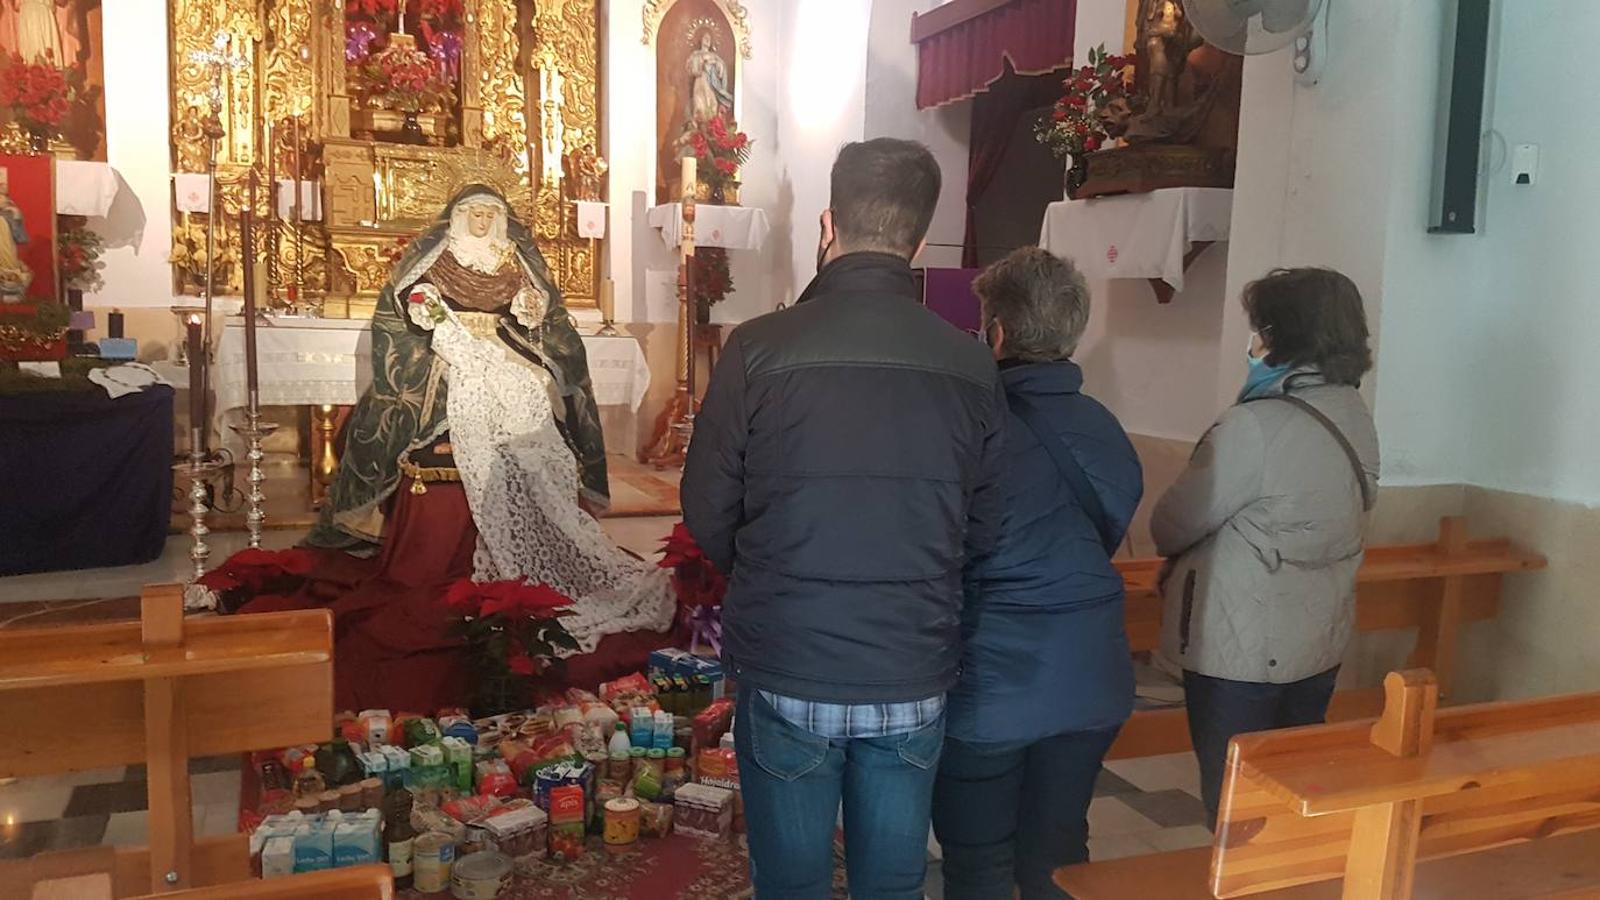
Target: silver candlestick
[254,431]
[200,469]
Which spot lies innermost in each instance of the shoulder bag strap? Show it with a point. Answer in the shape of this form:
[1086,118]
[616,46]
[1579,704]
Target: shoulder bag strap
[1367,500]
[1071,472]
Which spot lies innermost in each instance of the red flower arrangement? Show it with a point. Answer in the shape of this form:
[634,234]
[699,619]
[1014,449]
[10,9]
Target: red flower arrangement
[440,9]
[404,79]
[37,94]
[78,250]
[719,151]
[711,280]
[512,631]
[1075,125]
[371,8]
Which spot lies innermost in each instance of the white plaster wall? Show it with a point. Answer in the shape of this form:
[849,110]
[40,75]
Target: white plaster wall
[1483,340]
[822,83]
[891,111]
[136,144]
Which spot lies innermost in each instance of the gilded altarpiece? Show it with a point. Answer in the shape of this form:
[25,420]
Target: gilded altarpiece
[526,93]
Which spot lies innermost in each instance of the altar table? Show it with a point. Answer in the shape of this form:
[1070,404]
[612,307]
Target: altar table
[327,363]
[731,227]
[1137,235]
[85,480]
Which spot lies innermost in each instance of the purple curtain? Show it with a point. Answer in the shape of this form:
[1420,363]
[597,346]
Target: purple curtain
[964,46]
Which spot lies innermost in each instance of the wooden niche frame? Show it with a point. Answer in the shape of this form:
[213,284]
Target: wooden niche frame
[735,25]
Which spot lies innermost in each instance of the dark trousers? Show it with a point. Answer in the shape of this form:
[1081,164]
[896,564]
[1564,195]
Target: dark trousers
[1219,709]
[1011,814]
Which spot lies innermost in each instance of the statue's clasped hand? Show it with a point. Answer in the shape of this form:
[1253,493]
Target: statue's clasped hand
[425,307]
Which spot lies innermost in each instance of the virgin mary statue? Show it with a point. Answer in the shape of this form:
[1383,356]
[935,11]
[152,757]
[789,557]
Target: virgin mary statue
[478,375]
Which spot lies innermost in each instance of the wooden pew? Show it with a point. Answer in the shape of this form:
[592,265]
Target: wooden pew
[1434,588]
[160,691]
[1497,799]
[354,883]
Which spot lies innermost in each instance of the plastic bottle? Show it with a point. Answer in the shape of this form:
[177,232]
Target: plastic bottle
[663,731]
[398,836]
[619,740]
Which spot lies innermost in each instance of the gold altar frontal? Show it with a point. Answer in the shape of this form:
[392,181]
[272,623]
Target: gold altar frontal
[526,88]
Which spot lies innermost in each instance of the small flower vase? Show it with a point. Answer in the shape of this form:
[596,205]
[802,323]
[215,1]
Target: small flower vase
[1075,174]
[411,130]
[38,139]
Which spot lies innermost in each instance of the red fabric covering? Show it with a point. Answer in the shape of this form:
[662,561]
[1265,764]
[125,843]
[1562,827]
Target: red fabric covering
[966,57]
[392,643]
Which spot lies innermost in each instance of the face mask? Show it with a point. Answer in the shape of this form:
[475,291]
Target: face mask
[1261,377]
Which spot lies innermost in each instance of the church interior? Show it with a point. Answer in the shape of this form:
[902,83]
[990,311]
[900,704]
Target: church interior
[351,352]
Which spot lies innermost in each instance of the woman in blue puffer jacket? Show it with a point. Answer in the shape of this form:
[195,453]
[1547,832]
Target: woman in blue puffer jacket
[1046,676]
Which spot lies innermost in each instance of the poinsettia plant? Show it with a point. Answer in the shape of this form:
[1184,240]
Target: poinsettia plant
[512,631]
[699,586]
[1076,124]
[78,250]
[712,278]
[37,94]
[720,148]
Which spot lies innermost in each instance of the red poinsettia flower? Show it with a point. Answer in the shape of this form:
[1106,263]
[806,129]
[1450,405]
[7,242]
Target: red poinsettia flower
[490,598]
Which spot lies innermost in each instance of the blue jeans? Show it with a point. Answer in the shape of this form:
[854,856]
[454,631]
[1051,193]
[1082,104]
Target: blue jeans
[1012,813]
[1219,709]
[793,782]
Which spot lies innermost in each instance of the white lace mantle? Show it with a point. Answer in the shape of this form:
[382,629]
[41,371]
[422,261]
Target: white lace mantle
[521,482]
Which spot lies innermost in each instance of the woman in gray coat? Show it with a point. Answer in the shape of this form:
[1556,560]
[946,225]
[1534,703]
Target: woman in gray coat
[1263,530]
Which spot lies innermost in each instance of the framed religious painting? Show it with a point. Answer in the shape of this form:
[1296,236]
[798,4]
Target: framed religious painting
[32,319]
[699,45]
[57,46]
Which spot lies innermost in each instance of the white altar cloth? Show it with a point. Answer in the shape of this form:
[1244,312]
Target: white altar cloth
[98,192]
[732,227]
[1137,235]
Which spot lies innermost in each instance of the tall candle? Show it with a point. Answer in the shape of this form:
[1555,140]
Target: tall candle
[197,390]
[247,254]
[272,173]
[608,300]
[297,174]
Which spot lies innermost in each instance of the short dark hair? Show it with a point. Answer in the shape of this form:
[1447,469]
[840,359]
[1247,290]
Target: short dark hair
[1040,299]
[883,195]
[1312,317]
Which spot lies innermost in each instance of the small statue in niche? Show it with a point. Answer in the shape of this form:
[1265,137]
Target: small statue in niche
[585,168]
[708,82]
[1182,123]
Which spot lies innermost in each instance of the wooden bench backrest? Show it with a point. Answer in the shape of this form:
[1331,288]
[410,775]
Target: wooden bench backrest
[354,883]
[161,691]
[1495,774]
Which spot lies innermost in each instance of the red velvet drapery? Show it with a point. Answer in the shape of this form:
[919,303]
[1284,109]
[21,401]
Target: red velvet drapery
[963,46]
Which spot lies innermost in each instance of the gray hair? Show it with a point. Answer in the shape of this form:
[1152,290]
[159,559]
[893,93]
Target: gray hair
[1040,299]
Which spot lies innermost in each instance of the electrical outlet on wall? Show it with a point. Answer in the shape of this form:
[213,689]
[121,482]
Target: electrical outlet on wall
[1525,164]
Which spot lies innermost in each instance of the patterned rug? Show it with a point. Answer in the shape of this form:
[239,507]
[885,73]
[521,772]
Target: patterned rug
[678,867]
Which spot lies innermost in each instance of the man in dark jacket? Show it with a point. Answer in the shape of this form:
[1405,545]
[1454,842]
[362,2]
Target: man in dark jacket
[844,467]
